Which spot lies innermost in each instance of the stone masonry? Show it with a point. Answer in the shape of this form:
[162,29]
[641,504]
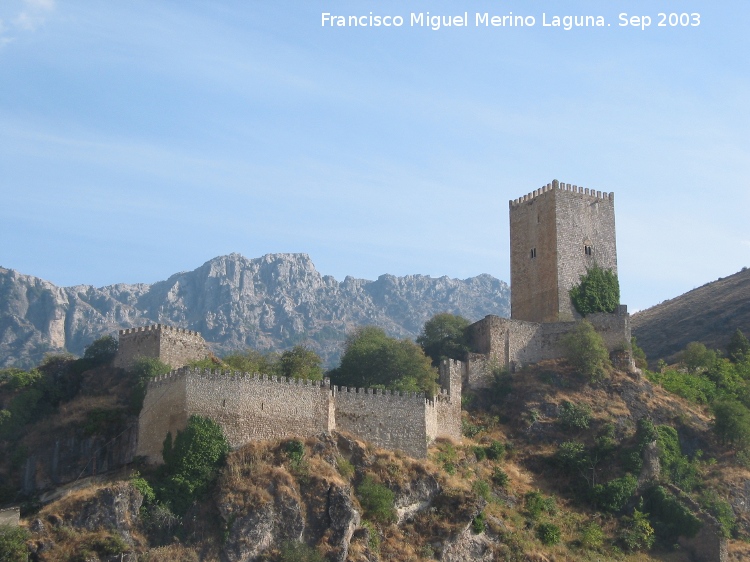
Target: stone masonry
[258,407]
[174,346]
[556,234]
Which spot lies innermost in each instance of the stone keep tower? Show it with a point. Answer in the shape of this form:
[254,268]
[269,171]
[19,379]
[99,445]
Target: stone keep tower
[556,233]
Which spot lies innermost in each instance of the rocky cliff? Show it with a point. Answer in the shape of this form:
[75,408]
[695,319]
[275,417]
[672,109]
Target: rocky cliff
[272,302]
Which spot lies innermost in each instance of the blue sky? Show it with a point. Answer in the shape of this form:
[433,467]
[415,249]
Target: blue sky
[142,138]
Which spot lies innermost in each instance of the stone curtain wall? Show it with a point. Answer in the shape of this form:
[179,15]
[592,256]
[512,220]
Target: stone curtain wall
[174,346]
[255,408]
[164,410]
[10,516]
[385,418]
[514,343]
[556,223]
[259,407]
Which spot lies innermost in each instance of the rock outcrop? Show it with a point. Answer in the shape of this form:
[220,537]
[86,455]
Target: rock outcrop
[273,302]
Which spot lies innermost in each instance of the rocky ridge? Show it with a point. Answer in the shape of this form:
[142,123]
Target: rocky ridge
[272,302]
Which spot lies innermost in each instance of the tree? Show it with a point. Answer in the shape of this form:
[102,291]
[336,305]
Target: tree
[697,357]
[252,361]
[373,359]
[444,337]
[586,351]
[732,422]
[142,371]
[300,363]
[598,291]
[102,350]
[191,462]
[739,347]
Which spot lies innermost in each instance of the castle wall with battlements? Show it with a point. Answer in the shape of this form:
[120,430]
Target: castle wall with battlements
[510,344]
[557,233]
[256,408]
[174,346]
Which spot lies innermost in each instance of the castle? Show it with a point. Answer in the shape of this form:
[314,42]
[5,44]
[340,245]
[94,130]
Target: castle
[557,233]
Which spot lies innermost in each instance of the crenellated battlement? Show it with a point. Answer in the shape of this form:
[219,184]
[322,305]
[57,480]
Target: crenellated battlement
[255,406]
[158,327]
[560,186]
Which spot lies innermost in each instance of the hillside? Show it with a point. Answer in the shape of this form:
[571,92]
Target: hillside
[708,314]
[273,302]
[488,498]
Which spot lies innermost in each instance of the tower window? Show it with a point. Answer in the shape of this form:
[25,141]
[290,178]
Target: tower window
[533,253]
[588,251]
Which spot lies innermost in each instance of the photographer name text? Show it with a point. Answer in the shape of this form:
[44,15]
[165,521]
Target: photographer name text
[488,20]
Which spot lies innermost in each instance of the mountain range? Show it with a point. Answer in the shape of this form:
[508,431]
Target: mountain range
[267,303]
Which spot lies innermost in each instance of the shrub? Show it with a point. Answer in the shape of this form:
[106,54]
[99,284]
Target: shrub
[478,524]
[586,351]
[732,422]
[536,504]
[592,536]
[294,449]
[479,452]
[377,500]
[613,495]
[574,417]
[142,371]
[140,484]
[190,463]
[572,456]
[13,544]
[500,477]
[597,291]
[676,467]
[739,347]
[444,336]
[720,509]
[697,357]
[496,451]
[637,533]
[639,356]
[101,351]
[292,551]
[548,533]
[481,489]
[346,468]
[669,516]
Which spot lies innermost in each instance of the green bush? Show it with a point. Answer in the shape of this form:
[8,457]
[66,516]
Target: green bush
[669,516]
[613,495]
[142,485]
[101,351]
[142,371]
[500,477]
[548,533]
[739,347]
[377,500]
[478,524]
[481,489]
[293,551]
[637,533]
[294,449]
[597,291]
[496,451]
[479,452]
[13,544]
[675,467]
[592,536]
[572,456]
[586,351]
[191,462]
[697,357]
[536,504]
[720,509]
[574,417]
[444,336]
[732,422]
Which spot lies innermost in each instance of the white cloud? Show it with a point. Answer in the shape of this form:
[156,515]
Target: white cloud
[19,16]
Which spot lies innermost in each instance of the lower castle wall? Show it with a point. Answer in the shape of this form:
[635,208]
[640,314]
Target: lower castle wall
[386,419]
[512,343]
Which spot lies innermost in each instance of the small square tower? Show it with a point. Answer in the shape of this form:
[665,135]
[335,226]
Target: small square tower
[556,234]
